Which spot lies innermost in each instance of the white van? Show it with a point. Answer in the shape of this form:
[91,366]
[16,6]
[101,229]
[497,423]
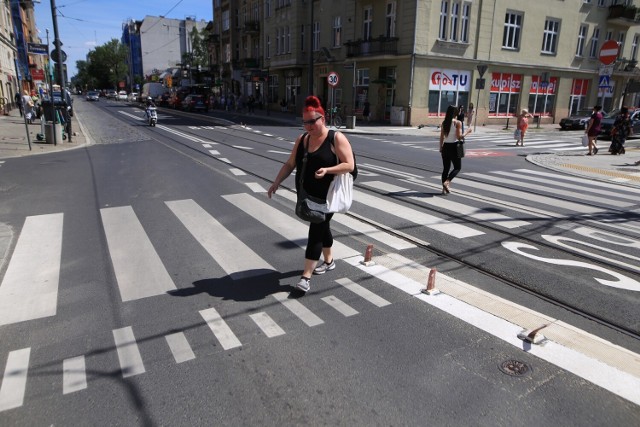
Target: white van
[153,90]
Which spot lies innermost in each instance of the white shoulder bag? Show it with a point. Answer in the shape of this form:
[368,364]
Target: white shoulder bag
[340,195]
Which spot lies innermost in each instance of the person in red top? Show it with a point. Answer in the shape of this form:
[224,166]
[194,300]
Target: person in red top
[523,124]
[593,129]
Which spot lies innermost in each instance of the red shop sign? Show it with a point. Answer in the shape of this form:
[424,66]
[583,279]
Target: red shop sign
[505,82]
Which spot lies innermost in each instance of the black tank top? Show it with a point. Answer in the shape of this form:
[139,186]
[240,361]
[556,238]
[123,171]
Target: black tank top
[323,157]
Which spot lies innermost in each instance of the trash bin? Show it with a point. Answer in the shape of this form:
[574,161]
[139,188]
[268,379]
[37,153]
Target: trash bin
[351,122]
[48,110]
[48,133]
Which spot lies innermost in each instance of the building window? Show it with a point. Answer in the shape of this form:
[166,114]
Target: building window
[620,43]
[390,23]
[227,52]
[256,12]
[634,48]
[337,32]
[593,49]
[367,23]
[550,36]
[267,8]
[542,96]
[225,20]
[316,36]
[287,37]
[512,30]
[609,35]
[582,39]
[578,98]
[273,88]
[277,41]
[444,18]
[293,89]
[602,3]
[268,47]
[362,87]
[448,87]
[505,94]
[302,42]
[454,20]
[465,18]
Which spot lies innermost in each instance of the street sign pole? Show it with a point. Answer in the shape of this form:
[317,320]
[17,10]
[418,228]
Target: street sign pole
[482,68]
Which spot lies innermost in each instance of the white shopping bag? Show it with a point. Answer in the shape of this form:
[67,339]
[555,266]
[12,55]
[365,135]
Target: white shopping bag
[340,195]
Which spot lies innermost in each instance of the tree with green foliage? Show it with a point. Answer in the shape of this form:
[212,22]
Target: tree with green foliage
[107,65]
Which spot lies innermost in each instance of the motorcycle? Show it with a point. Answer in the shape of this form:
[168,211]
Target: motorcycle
[152,116]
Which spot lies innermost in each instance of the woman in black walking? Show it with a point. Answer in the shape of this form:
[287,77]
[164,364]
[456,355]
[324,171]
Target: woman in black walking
[450,132]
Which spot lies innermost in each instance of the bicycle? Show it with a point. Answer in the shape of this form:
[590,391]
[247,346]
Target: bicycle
[337,118]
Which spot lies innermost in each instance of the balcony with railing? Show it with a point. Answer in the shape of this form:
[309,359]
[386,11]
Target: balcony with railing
[379,46]
[624,15]
[251,27]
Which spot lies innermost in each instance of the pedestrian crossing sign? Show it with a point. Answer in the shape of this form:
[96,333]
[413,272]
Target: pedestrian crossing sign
[604,82]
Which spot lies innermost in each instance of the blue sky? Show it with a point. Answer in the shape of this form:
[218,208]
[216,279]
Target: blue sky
[85,24]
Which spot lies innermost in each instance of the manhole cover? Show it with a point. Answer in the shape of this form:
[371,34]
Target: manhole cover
[514,368]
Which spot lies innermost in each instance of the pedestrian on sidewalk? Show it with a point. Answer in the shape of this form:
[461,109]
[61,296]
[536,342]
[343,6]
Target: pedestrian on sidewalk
[593,129]
[18,101]
[27,105]
[366,112]
[620,131]
[470,112]
[318,148]
[450,133]
[522,125]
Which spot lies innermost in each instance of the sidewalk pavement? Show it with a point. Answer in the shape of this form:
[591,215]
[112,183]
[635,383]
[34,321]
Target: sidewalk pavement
[604,167]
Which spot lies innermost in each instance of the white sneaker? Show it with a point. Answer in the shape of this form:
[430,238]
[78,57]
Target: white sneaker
[324,267]
[304,284]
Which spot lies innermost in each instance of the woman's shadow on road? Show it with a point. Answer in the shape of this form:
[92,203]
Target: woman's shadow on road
[253,285]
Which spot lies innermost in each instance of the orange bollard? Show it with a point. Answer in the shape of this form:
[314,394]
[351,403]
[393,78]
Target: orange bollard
[368,254]
[431,283]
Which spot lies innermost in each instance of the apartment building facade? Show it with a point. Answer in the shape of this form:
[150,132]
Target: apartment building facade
[412,58]
[17,29]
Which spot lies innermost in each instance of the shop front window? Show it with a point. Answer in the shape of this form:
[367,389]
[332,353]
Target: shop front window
[448,87]
[505,94]
[578,97]
[542,96]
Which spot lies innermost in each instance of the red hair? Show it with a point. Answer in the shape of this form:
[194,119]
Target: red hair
[312,104]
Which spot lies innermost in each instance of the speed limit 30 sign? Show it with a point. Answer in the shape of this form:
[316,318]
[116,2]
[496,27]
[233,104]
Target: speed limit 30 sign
[333,79]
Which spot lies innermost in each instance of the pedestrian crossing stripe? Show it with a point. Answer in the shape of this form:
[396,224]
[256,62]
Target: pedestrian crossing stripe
[395,270]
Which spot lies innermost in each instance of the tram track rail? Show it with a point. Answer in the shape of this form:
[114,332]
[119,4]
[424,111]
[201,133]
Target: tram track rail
[238,131]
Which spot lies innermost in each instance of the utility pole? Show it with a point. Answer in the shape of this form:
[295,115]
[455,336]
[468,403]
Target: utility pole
[56,43]
[311,35]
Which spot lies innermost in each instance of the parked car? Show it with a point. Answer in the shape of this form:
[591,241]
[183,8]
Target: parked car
[578,120]
[93,95]
[112,94]
[194,103]
[122,95]
[133,97]
[609,119]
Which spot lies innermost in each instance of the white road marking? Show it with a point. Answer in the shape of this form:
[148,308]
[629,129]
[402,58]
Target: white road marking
[139,270]
[214,152]
[340,306]
[29,289]
[180,347]
[363,292]
[236,258]
[299,310]
[266,324]
[74,375]
[220,329]
[237,172]
[14,381]
[128,352]
[256,188]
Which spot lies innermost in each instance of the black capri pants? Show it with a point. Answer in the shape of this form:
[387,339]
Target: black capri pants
[319,237]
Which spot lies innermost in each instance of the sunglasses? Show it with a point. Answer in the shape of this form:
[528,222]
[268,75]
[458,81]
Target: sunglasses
[312,121]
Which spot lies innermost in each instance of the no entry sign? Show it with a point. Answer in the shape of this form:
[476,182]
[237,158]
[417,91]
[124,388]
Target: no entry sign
[609,52]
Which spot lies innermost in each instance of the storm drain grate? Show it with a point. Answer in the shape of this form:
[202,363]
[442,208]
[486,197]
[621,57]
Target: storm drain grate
[515,368]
